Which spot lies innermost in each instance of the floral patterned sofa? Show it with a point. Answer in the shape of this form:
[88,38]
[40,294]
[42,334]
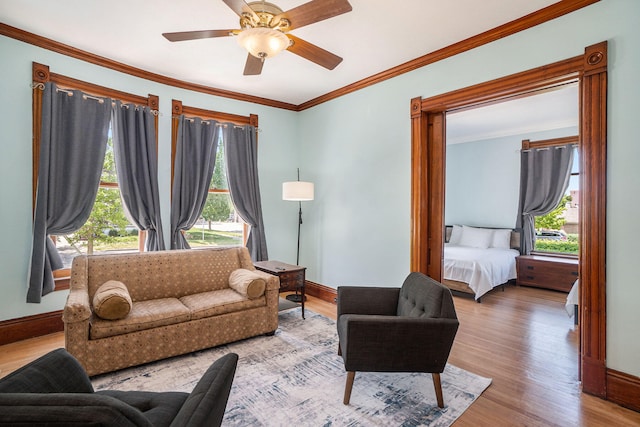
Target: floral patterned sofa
[180,301]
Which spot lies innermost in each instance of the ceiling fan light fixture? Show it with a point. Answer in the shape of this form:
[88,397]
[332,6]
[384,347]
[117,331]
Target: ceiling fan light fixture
[263,42]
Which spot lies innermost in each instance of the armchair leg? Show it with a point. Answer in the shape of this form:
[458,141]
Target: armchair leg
[438,386]
[348,386]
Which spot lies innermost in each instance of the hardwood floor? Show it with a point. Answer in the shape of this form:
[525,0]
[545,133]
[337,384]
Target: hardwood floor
[522,338]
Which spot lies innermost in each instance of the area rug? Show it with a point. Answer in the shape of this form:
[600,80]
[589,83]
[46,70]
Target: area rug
[285,304]
[296,378]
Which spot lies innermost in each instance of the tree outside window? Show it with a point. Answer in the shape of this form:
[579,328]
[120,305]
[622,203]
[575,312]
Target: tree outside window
[107,230]
[219,225]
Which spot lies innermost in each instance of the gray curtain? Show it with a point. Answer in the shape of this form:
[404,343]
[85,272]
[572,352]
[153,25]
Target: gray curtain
[544,178]
[195,158]
[241,150]
[134,146]
[72,148]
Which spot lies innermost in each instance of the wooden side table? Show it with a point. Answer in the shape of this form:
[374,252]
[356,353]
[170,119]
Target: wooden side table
[291,278]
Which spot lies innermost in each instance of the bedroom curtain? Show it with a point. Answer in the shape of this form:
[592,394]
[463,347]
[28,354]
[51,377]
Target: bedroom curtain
[544,178]
[134,147]
[241,150]
[72,148]
[196,148]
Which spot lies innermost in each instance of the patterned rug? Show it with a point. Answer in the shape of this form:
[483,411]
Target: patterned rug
[296,378]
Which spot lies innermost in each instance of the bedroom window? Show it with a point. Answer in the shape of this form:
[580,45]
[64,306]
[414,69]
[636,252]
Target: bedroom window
[558,231]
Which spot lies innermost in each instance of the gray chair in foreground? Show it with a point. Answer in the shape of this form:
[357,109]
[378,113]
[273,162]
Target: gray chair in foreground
[55,390]
[408,329]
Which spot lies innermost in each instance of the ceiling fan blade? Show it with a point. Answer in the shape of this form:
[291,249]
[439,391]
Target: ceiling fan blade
[193,35]
[314,11]
[313,53]
[253,66]
[240,7]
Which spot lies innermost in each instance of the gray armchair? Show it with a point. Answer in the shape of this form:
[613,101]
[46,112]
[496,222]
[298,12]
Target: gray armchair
[408,329]
[55,390]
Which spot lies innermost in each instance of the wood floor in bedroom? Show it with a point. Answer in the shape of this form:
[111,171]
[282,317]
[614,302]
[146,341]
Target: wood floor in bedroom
[522,338]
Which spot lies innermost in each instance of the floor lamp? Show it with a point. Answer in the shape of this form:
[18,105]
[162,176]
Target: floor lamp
[297,191]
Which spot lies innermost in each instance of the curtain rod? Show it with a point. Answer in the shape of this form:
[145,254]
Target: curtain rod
[207,122]
[546,148]
[85,96]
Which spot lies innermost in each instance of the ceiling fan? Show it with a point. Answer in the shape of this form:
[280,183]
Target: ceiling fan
[264,31]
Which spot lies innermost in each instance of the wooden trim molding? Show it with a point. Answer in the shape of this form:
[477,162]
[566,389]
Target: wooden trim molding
[541,16]
[428,156]
[323,292]
[23,328]
[623,389]
[554,142]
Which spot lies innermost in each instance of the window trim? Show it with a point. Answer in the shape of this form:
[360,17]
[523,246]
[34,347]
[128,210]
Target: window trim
[178,109]
[41,75]
[553,142]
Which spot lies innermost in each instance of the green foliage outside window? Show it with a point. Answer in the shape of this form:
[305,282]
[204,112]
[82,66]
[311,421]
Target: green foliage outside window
[554,220]
[107,222]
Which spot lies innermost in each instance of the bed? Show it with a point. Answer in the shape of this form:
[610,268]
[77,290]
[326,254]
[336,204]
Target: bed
[476,259]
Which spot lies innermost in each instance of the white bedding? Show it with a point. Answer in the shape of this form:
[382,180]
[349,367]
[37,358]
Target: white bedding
[481,269]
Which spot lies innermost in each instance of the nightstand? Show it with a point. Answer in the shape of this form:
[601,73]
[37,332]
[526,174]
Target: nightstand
[291,278]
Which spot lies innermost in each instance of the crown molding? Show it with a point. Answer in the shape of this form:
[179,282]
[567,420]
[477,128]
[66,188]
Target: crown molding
[541,16]
[52,45]
[548,13]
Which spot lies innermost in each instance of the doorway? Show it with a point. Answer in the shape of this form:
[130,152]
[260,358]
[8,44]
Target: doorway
[428,141]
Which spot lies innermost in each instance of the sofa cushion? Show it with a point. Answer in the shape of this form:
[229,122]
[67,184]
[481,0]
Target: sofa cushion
[206,304]
[112,300]
[247,283]
[143,315]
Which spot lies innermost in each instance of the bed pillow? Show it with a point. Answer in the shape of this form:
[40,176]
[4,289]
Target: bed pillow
[476,237]
[456,235]
[501,239]
[112,301]
[247,283]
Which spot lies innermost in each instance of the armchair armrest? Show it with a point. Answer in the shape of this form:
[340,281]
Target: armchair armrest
[77,409]
[367,300]
[400,344]
[206,404]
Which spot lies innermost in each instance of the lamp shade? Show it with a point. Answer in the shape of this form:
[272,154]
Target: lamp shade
[298,191]
[263,42]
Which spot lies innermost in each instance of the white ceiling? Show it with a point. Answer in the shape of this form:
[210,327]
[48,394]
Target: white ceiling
[375,36]
[543,111]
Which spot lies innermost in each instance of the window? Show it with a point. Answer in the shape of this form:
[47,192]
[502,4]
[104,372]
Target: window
[117,232]
[107,230]
[558,231]
[219,224]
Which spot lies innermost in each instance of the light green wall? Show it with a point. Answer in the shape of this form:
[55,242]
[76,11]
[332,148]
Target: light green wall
[277,141]
[483,179]
[357,151]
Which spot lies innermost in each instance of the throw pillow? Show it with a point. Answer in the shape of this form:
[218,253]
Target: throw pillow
[112,301]
[247,283]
